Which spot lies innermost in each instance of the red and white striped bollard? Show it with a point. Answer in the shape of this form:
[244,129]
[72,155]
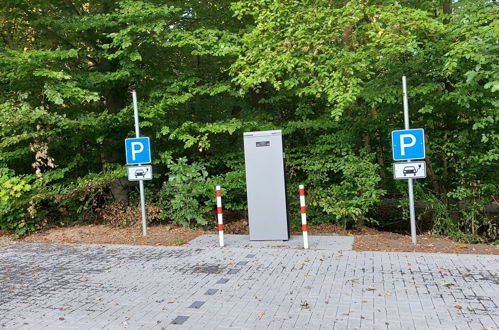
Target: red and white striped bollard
[219,216]
[303,211]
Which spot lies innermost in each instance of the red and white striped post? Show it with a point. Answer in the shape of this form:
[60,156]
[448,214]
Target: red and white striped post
[219,215]
[303,211]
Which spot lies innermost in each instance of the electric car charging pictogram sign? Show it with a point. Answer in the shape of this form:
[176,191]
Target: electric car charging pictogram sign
[137,173]
[409,170]
[408,144]
[138,151]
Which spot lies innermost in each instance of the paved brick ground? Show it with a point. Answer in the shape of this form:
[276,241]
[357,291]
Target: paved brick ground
[116,287]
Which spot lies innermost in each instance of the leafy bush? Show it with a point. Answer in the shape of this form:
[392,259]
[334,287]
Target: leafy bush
[15,193]
[346,188]
[186,194]
[27,204]
[233,184]
[83,198]
[473,219]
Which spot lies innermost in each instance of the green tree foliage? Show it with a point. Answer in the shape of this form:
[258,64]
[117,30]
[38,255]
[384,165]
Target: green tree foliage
[325,72]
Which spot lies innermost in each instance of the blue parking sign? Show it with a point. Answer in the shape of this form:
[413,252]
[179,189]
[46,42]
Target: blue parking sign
[408,144]
[138,151]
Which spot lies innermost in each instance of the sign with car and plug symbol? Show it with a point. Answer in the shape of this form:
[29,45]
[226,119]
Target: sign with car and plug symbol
[137,173]
[409,170]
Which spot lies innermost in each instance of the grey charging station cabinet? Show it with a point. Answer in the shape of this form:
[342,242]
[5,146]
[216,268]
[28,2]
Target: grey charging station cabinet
[266,186]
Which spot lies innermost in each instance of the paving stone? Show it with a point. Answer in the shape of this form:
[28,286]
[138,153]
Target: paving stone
[197,304]
[211,292]
[180,319]
[233,271]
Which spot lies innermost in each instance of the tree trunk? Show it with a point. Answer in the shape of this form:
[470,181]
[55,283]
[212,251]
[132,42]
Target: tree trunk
[120,187]
[379,148]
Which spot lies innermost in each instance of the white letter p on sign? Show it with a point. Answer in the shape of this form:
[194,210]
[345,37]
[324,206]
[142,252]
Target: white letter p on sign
[404,145]
[137,148]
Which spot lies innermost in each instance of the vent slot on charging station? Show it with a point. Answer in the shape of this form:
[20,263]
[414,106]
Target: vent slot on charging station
[263,144]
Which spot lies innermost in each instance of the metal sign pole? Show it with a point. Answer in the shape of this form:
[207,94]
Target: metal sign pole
[141,182]
[409,182]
